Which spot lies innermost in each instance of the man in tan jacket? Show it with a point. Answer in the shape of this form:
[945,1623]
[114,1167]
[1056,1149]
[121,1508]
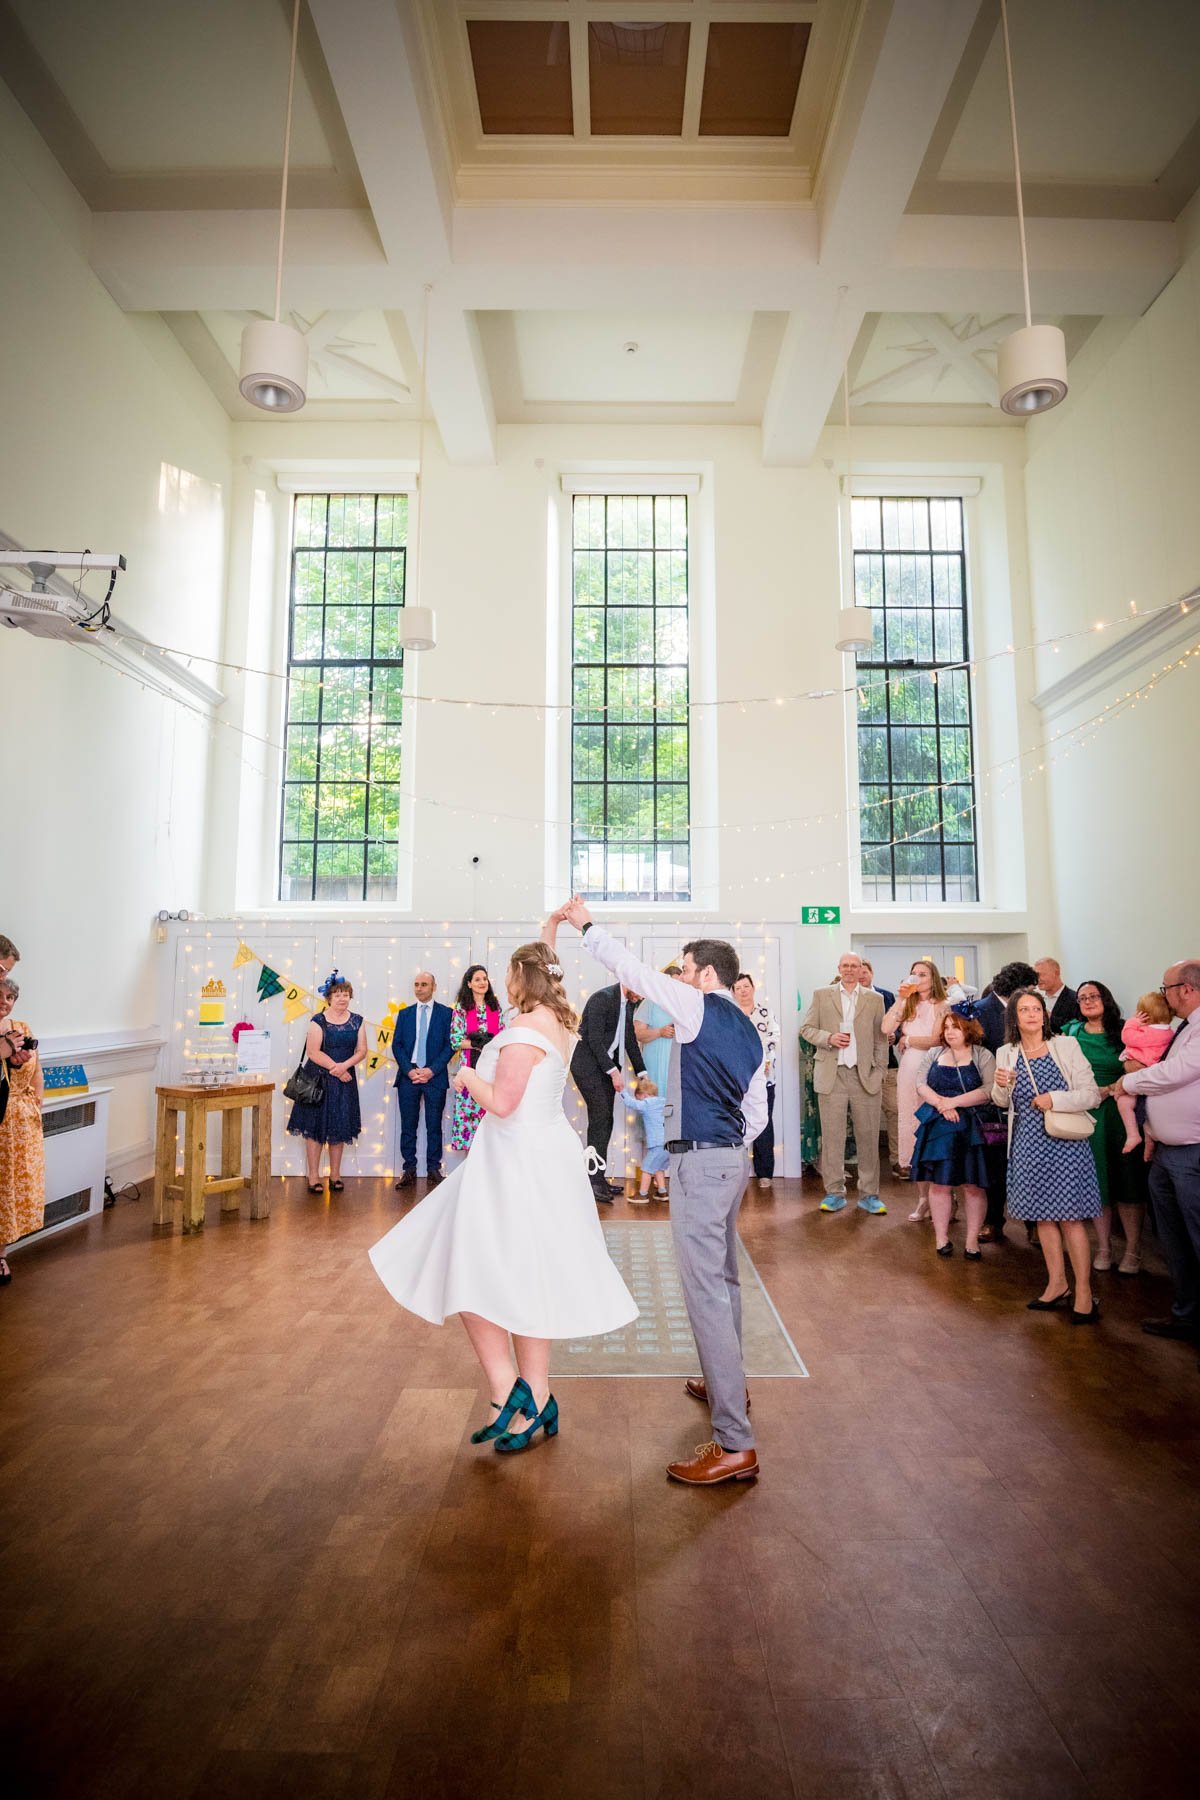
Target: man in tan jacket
[844,1026]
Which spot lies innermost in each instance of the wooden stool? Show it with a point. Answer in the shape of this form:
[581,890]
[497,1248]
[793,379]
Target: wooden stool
[195,1104]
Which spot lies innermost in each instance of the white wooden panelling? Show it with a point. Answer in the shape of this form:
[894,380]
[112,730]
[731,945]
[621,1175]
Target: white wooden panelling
[381,956]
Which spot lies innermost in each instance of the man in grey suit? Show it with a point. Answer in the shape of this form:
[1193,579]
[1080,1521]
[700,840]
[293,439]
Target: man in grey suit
[844,1025]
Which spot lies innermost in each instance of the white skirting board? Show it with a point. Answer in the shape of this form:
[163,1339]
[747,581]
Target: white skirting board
[134,1163]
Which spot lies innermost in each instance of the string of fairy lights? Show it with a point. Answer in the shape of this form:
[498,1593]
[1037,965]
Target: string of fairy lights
[1047,752]
[541,709]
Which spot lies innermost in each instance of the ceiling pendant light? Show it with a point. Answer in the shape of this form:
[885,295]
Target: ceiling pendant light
[854,622]
[418,624]
[274,363]
[1031,368]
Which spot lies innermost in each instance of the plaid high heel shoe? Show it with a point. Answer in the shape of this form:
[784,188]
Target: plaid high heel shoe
[520,1400]
[546,1421]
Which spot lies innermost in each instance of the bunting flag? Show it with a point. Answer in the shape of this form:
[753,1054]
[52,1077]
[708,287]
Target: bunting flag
[299,1000]
[296,1001]
[269,983]
[386,1032]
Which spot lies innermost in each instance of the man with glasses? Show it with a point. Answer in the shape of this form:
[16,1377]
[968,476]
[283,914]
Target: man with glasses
[1172,1090]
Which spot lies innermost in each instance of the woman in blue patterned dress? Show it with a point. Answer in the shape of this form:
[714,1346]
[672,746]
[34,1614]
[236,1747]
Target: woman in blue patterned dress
[334,1044]
[1051,1181]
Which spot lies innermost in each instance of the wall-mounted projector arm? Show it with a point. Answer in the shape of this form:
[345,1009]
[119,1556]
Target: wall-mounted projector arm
[49,560]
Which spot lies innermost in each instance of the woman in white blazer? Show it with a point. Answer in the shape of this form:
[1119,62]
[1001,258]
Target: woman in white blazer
[1051,1181]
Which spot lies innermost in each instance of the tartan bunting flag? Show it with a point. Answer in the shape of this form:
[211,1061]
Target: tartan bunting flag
[269,983]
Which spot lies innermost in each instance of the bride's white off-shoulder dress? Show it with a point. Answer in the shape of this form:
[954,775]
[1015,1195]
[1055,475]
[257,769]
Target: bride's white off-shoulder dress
[512,1234]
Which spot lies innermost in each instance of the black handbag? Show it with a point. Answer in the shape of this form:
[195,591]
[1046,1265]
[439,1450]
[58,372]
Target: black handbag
[306,1086]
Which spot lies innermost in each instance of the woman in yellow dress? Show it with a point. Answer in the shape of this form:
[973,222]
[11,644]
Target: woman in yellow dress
[22,1156]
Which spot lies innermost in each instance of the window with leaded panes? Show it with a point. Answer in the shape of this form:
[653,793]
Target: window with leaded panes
[629,727]
[916,780]
[340,815]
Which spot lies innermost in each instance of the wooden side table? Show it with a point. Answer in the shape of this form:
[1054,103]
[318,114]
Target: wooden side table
[195,1104]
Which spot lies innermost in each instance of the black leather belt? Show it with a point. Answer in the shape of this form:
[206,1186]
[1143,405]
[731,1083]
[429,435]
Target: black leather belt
[680,1146]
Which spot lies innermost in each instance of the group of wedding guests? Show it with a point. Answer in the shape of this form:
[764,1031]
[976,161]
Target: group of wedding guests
[22,1157]
[1026,1101]
[617,1027]
[1023,1103]
[428,1036]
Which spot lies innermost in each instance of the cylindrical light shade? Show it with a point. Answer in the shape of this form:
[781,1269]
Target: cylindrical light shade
[418,628]
[274,371]
[854,628]
[1031,371]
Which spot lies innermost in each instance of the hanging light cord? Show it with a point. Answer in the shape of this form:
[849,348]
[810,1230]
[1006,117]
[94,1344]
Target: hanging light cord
[421,444]
[287,154]
[846,537]
[1012,119]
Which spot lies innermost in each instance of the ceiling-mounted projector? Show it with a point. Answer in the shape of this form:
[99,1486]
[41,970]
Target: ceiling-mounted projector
[43,611]
[45,615]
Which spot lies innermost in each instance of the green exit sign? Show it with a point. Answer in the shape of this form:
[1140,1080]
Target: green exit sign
[820,915]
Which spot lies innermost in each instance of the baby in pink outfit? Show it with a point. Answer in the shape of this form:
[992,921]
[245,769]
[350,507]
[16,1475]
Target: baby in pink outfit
[1145,1037]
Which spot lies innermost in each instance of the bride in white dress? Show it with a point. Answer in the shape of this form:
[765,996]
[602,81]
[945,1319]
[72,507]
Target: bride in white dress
[511,1240]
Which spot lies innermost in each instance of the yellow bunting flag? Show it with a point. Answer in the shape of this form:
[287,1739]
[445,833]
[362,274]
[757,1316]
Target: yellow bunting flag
[373,1064]
[244,955]
[296,1000]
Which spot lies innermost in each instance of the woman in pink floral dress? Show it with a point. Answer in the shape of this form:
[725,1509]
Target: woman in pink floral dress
[475,1022]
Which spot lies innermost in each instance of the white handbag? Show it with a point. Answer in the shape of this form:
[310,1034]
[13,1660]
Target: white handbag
[1062,1124]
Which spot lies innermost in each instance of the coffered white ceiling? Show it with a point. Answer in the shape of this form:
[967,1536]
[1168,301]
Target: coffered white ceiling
[642,172]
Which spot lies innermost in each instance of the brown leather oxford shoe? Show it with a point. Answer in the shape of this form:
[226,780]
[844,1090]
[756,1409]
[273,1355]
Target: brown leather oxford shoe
[407,1180]
[696,1388]
[712,1464]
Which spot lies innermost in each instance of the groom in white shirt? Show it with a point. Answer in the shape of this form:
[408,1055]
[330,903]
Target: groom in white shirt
[716,1107]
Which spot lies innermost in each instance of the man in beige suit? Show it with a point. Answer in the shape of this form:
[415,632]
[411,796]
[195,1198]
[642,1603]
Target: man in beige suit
[844,1026]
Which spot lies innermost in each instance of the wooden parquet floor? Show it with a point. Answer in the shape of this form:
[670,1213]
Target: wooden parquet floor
[248,1550]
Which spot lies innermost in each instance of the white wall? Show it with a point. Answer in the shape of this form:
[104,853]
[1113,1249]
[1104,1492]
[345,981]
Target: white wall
[112,442]
[1112,480]
[481,776]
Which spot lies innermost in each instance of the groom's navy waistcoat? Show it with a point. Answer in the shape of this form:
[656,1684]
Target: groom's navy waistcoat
[715,1069]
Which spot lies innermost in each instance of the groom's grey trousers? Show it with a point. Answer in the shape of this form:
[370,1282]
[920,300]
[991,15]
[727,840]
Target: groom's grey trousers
[706,1193]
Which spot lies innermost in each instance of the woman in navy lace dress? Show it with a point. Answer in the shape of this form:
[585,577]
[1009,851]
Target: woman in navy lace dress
[335,1044]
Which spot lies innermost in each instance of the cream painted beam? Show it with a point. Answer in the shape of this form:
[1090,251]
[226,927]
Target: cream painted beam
[904,61]
[952,264]
[460,397]
[225,261]
[367,55]
[807,372]
[906,57]
[403,167]
[196,261]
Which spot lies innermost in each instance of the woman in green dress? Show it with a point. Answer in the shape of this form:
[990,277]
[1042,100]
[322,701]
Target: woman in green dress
[1122,1178]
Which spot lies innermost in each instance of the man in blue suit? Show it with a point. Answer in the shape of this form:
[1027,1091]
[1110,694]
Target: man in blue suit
[422,1050]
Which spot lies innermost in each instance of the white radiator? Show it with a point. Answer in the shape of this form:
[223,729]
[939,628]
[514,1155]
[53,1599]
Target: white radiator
[76,1134]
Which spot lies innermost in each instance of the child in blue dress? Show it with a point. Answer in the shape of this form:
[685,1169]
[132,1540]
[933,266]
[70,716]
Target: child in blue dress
[650,1107]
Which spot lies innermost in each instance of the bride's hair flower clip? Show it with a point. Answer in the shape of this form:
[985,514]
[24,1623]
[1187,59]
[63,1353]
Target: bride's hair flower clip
[555,969]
